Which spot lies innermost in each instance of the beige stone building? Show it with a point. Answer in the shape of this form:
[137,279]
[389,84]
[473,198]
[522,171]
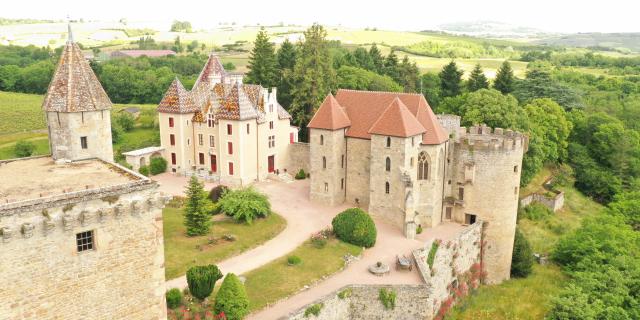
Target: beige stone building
[391,155]
[80,236]
[224,130]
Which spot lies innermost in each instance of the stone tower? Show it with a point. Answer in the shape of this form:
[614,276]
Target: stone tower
[328,152]
[78,110]
[486,175]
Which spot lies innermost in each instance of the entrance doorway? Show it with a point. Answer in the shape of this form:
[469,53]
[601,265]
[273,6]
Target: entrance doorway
[214,163]
[271,164]
[469,218]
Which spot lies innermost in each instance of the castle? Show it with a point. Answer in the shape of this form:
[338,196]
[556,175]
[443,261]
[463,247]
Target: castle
[391,155]
[224,130]
[80,236]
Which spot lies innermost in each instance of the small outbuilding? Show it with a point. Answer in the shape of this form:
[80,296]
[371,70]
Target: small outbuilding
[142,157]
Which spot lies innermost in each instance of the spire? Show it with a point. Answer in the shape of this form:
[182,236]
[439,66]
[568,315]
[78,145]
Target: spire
[330,115]
[69,32]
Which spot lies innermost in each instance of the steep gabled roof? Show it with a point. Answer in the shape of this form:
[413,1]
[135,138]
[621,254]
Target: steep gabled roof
[397,121]
[330,115]
[74,87]
[365,107]
[177,100]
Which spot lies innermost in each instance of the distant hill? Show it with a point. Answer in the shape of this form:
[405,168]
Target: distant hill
[492,29]
[624,42]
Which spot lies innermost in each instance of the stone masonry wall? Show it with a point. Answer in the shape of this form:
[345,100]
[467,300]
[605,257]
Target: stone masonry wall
[358,166]
[45,277]
[553,203]
[298,158]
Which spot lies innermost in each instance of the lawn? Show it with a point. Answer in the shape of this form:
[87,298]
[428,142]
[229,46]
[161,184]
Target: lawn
[41,144]
[277,280]
[20,112]
[530,298]
[181,252]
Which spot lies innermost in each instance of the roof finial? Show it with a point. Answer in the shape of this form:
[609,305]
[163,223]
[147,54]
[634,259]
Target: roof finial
[70,34]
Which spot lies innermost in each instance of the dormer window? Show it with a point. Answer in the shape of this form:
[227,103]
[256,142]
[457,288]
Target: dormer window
[210,121]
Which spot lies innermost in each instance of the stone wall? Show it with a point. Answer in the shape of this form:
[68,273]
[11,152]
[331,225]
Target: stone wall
[66,129]
[298,158]
[554,203]
[45,277]
[358,168]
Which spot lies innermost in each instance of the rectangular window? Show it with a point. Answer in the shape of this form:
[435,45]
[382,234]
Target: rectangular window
[248,128]
[342,183]
[326,187]
[85,241]
[229,129]
[230,147]
[172,139]
[210,120]
[200,140]
[273,141]
[173,158]
[271,125]
[212,141]
[170,122]
[201,157]
[515,169]
[230,168]
[342,161]
[469,218]
[83,142]
[460,193]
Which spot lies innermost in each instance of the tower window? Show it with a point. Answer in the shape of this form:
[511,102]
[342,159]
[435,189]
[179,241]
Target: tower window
[388,142]
[172,139]
[342,183]
[324,162]
[387,164]
[230,147]
[229,129]
[83,142]
[248,128]
[342,161]
[386,187]
[170,122]
[173,158]
[230,168]
[469,218]
[515,169]
[460,193]
[326,187]
[423,166]
[321,139]
[85,241]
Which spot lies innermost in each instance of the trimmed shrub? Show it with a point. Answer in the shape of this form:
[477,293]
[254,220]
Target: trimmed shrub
[202,279]
[174,298]
[294,260]
[216,192]
[356,227]
[301,175]
[24,149]
[144,170]
[232,298]
[158,165]
[522,259]
[245,205]
[313,310]
[419,229]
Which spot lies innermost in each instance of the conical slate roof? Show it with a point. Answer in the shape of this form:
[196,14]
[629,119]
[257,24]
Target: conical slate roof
[397,121]
[330,115]
[74,87]
[177,100]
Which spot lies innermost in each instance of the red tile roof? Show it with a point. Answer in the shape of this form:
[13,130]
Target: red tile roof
[363,108]
[397,121]
[330,115]
[177,100]
[74,87]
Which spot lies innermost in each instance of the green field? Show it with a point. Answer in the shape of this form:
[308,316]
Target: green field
[20,112]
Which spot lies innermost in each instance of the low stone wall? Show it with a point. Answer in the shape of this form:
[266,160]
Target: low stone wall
[298,158]
[455,270]
[553,203]
[362,302]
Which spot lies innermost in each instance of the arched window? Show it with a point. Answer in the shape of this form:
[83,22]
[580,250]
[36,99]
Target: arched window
[321,139]
[324,162]
[386,187]
[388,142]
[387,165]
[423,166]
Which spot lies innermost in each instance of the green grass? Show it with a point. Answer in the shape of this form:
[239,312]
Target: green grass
[42,148]
[20,112]
[527,298]
[276,280]
[181,252]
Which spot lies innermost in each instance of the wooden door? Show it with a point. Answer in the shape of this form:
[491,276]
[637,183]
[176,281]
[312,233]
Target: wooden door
[271,161]
[214,164]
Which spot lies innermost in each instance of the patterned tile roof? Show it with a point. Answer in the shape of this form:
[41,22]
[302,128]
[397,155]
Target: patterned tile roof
[330,115]
[397,121]
[238,101]
[177,100]
[74,87]
[282,113]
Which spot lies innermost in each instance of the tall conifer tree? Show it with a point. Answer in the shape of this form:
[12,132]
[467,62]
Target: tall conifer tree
[263,66]
[477,79]
[504,81]
[450,80]
[286,61]
[376,59]
[314,77]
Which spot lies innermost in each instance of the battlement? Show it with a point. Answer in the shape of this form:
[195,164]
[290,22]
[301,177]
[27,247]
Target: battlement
[485,138]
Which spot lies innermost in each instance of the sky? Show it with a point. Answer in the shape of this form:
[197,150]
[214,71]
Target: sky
[412,15]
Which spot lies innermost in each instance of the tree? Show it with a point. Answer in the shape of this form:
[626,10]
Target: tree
[177,45]
[361,79]
[492,108]
[125,121]
[377,61]
[548,120]
[504,81]
[313,77]
[286,57]
[245,205]
[157,165]
[409,74]
[522,258]
[627,205]
[202,279]
[197,213]
[430,88]
[24,149]
[232,298]
[181,26]
[391,66]
[356,227]
[540,84]
[263,66]
[477,79]
[193,45]
[450,79]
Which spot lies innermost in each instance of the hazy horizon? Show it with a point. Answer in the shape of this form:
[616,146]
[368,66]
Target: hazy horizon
[546,15]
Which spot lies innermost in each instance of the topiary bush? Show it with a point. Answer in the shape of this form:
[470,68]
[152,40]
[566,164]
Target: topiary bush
[202,279]
[522,259]
[301,175]
[158,165]
[294,260]
[144,170]
[174,298]
[356,227]
[232,298]
[24,149]
[245,205]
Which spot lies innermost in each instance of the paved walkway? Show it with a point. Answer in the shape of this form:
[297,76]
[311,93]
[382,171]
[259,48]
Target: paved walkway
[291,200]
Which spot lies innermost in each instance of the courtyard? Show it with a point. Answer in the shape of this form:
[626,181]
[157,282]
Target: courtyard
[304,218]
